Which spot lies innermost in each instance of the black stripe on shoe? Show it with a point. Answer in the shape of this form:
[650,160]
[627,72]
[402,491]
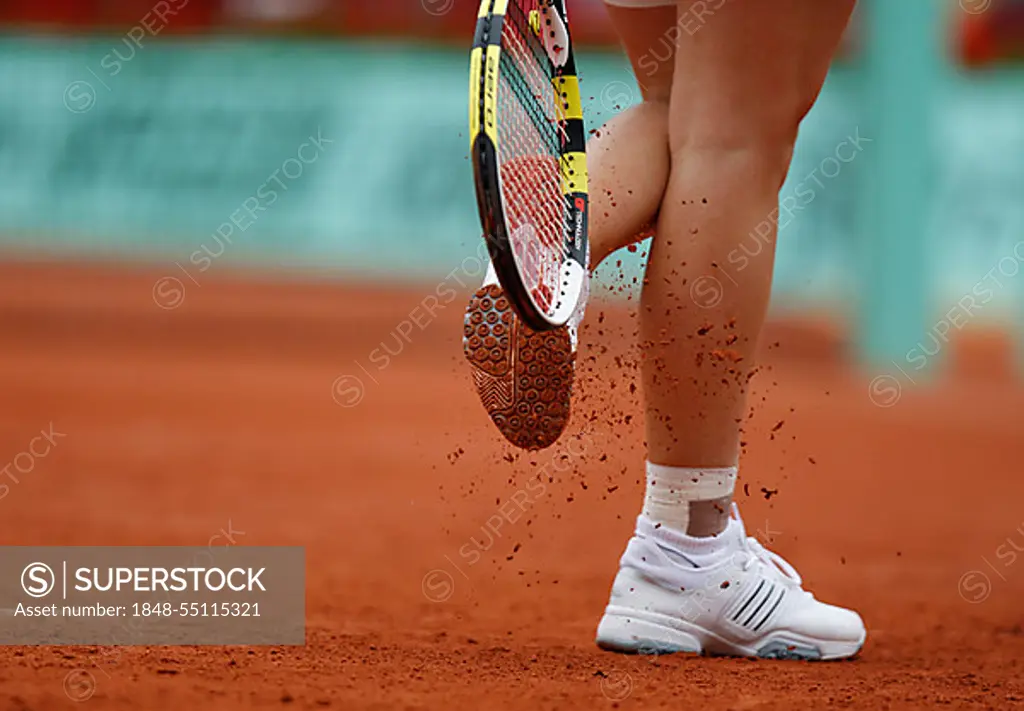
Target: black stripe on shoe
[782,594]
[766,599]
[747,603]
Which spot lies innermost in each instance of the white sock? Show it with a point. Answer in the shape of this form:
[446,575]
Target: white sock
[695,551]
[671,490]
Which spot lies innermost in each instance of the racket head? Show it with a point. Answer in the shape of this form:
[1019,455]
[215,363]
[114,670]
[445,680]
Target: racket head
[528,149]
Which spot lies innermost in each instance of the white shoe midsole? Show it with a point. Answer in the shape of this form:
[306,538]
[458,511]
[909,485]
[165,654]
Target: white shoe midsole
[631,630]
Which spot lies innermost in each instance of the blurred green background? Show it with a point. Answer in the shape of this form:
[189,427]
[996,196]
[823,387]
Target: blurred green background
[331,136]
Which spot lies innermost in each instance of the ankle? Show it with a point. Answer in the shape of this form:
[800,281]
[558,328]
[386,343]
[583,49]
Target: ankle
[694,501]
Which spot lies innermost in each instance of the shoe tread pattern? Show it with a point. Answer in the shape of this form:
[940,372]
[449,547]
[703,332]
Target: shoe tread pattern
[523,377]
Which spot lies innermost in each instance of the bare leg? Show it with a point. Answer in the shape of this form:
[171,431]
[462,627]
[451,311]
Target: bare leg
[628,157]
[690,578]
[742,83]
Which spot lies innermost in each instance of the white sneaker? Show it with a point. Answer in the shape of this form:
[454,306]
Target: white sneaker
[726,595]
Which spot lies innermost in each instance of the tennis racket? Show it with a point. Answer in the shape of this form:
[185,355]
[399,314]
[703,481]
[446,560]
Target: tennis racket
[527,145]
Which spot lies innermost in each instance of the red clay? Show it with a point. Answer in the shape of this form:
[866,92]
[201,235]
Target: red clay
[224,412]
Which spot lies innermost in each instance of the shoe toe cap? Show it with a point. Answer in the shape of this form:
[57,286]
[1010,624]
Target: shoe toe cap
[820,620]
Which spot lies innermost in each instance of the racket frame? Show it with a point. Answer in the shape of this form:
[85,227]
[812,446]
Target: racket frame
[485,61]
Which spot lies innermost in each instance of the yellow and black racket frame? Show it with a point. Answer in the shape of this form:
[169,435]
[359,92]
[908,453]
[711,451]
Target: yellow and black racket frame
[485,60]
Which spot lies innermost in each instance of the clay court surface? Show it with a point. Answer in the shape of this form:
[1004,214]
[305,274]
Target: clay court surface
[222,415]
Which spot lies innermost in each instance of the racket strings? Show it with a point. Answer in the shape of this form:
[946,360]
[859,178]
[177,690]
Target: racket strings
[532,106]
[530,76]
[531,139]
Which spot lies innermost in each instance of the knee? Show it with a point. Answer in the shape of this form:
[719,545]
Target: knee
[645,125]
[654,125]
[756,128]
[656,112]
[656,93]
[747,148]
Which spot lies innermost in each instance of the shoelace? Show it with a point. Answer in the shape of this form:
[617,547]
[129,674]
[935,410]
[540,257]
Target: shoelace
[758,553]
[770,559]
